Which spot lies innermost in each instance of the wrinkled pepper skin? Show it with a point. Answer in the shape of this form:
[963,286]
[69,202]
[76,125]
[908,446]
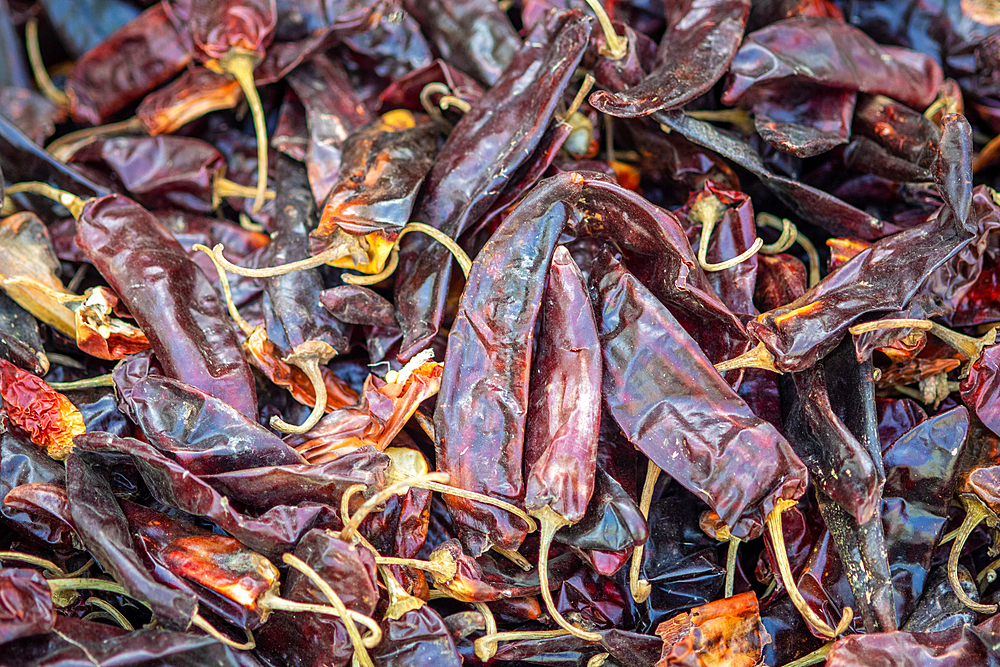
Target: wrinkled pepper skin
[170,298]
[481,154]
[150,49]
[673,406]
[560,448]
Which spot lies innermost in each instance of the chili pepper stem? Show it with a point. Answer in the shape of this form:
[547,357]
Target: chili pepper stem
[758,357]
[223,187]
[240,65]
[486,646]
[400,601]
[617,46]
[970,348]
[551,522]
[45,84]
[598,660]
[478,497]
[789,233]
[111,611]
[486,650]
[734,543]
[443,570]
[65,146]
[46,565]
[226,291]
[975,513]
[781,555]
[708,211]
[374,279]
[346,615]
[514,557]
[640,587]
[308,357]
[106,380]
[211,631]
[67,199]
[581,95]
[813,658]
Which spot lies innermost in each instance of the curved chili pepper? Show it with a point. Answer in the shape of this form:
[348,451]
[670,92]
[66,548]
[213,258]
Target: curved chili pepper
[204,434]
[473,166]
[716,438]
[230,37]
[170,298]
[21,465]
[153,48]
[269,533]
[102,527]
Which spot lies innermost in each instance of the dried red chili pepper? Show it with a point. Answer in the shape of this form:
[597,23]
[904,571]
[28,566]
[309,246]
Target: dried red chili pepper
[152,48]
[230,37]
[170,298]
[694,54]
[32,406]
[473,166]
[638,333]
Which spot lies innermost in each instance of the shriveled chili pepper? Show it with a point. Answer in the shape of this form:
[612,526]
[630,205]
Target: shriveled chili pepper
[728,630]
[269,533]
[205,434]
[170,298]
[638,334]
[332,113]
[164,172]
[560,444]
[32,406]
[382,167]
[472,167]
[153,47]
[27,604]
[813,204]
[102,527]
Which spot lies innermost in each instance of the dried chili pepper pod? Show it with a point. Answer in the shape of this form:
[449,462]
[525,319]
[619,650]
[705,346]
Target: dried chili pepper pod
[170,298]
[230,37]
[31,405]
[694,54]
[642,344]
[152,48]
[472,167]
[561,440]
[27,608]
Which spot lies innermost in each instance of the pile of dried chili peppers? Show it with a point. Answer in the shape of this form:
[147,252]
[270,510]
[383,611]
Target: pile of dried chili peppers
[444,332]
